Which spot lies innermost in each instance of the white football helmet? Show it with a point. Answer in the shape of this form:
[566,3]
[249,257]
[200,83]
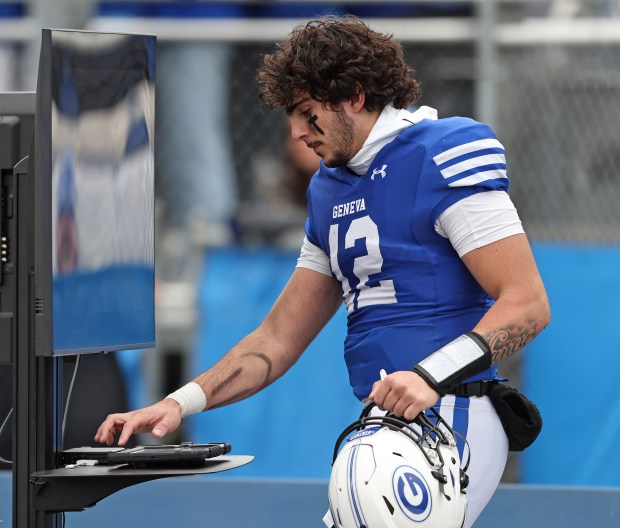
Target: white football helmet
[396,474]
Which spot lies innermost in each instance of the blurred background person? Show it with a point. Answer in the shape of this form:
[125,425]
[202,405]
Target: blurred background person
[275,212]
[9,14]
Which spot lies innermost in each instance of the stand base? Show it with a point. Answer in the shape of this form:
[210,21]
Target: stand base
[60,490]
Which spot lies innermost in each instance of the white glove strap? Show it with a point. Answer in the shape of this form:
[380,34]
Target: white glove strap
[191,398]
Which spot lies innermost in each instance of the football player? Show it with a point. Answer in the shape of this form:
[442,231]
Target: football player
[410,225]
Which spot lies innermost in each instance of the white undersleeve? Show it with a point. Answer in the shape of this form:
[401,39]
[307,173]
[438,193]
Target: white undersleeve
[479,220]
[314,258]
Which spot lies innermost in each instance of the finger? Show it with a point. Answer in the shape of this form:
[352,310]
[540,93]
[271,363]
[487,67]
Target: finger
[373,392]
[108,429]
[411,412]
[161,429]
[106,437]
[379,392]
[126,432]
[390,401]
[400,407]
[102,431]
[99,435]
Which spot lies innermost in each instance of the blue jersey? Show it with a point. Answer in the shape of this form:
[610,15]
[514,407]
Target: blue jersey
[406,290]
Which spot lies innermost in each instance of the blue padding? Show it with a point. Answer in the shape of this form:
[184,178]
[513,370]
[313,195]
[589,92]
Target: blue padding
[125,9]
[295,9]
[177,9]
[291,426]
[202,502]
[199,502]
[291,9]
[516,506]
[191,9]
[209,501]
[12,9]
[200,10]
[388,9]
[571,370]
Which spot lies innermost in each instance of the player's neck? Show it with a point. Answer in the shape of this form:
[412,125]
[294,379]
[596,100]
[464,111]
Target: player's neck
[365,122]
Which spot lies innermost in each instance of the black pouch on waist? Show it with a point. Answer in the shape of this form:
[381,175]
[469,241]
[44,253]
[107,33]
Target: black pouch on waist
[519,416]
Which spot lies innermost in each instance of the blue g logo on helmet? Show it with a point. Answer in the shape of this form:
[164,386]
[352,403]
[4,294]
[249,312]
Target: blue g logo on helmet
[412,493]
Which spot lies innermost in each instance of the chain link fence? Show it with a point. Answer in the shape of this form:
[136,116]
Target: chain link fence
[558,116]
[558,107]
[554,108]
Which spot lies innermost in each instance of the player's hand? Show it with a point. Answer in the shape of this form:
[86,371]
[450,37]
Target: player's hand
[158,419]
[404,393]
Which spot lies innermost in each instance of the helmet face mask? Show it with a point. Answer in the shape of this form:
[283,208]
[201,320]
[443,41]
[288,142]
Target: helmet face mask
[394,474]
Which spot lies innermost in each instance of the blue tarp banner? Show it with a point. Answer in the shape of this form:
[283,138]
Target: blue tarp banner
[291,426]
[571,370]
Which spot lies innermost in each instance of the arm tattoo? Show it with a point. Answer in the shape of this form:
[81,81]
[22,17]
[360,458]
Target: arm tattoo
[506,341]
[236,373]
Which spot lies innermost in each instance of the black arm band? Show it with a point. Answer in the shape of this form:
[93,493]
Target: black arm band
[445,368]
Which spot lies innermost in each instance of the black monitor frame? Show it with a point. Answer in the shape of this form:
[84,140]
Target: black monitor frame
[44,131]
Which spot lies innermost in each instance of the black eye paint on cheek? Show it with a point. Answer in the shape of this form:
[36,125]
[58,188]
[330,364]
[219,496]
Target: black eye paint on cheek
[312,122]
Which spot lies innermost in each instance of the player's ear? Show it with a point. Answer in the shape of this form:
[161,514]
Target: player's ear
[358,100]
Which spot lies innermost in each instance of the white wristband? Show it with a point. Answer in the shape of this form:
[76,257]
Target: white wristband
[191,398]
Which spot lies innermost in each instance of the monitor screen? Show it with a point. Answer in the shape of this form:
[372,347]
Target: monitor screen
[94,192]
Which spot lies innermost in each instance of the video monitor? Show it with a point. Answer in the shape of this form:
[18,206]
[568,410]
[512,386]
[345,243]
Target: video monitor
[94,192]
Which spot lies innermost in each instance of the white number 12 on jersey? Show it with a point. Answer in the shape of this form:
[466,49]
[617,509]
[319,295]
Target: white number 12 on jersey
[363,266]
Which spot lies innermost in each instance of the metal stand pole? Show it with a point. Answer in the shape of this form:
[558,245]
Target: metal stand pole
[487,66]
[37,382]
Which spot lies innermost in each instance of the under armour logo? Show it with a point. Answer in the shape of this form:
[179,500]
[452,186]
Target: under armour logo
[376,172]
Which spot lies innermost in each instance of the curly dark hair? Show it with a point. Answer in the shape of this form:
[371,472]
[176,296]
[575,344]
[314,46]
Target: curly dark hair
[327,58]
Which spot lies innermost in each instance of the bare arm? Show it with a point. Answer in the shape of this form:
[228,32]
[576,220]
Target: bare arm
[507,271]
[306,304]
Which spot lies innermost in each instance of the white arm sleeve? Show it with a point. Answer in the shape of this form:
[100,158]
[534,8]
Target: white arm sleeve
[479,220]
[314,258]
